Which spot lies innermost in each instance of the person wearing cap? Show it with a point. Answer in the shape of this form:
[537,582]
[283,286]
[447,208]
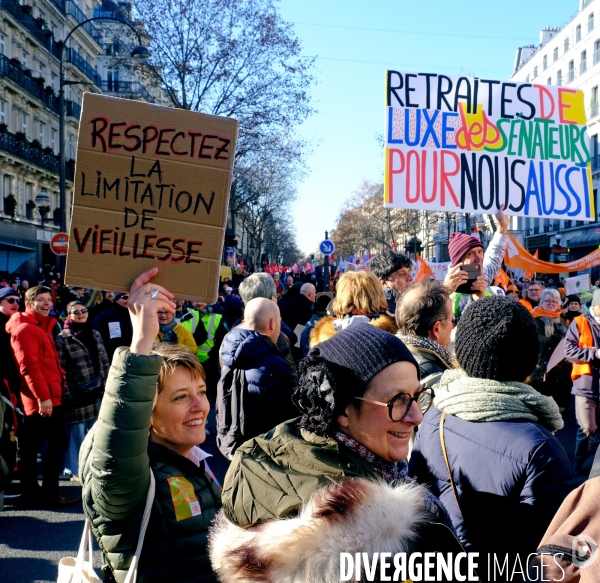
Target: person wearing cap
[9,305]
[512,292]
[360,400]
[510,473]
[582,348]
[467,250]
[573,308]
[114,325]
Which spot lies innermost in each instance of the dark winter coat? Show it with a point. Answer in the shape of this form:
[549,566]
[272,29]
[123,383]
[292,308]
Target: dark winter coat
[8,369]
[255,389]
[120,315]
[299,312]
[586,385]
[115,462]
[557,383]
[42,377]
[511,477]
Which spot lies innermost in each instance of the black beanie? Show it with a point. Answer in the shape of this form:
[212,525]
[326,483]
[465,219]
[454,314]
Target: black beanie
[364,350]
[496,339]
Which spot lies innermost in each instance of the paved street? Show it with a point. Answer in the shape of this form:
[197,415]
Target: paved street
[32,542]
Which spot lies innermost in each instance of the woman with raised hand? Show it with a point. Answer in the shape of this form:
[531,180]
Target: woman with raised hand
[152,418]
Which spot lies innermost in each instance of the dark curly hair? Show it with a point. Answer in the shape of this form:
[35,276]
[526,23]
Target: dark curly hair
[323,392]
[384,264]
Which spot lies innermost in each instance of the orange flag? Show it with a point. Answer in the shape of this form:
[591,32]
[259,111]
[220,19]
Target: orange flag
[531,274]
[424,269]
[501,279]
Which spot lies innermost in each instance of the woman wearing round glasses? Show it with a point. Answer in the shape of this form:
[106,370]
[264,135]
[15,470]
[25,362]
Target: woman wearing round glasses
[551,329]
[83,358]
[360,401]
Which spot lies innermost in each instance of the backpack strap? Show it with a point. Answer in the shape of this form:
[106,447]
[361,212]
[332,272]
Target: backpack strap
[443,444]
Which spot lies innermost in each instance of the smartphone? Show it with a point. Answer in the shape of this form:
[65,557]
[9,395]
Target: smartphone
[473,271]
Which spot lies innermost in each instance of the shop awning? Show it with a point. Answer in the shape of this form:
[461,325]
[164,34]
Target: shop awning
[13,256]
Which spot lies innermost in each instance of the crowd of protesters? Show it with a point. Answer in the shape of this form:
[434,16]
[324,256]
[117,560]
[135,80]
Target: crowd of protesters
[318,396]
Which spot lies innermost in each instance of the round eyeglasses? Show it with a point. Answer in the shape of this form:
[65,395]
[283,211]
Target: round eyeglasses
[399,405]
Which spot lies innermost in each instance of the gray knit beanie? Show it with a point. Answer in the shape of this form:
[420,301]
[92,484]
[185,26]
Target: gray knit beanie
[496,339]
[364,350]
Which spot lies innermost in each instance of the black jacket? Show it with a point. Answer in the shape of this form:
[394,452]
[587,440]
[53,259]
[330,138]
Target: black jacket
[121,334]
[255,389]
[299,312]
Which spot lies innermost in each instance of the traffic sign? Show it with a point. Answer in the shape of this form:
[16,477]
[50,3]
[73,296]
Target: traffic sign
[327,247]
[59,244]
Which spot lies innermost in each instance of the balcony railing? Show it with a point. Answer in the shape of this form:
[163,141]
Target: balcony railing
[76,12]
[73,109]
[592,110]
[34,25]
[126,88]
[76,59]
[15,73]
[29,152]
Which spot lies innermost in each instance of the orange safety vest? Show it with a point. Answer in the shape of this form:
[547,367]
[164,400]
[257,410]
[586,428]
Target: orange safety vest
[586,340]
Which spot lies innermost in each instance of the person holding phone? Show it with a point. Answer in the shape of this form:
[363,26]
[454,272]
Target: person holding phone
[470,265]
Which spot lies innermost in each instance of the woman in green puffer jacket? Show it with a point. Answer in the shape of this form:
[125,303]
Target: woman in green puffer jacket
[151,419]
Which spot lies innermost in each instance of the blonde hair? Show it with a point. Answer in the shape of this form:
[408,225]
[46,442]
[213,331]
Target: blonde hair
[360,291]
[176,356]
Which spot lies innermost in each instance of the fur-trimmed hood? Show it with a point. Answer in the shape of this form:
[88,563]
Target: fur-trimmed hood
[327,326]
[350,516]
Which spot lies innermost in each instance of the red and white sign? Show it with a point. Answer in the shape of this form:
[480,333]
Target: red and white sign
[59,244]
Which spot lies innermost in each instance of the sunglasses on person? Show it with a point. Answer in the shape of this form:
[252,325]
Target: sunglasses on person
[77,312]
[399,405]
[11,300]
[124,298]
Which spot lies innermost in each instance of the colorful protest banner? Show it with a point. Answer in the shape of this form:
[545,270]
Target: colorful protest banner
[471,145]
[439,270]
[578,284]
[517,257]
[151,189]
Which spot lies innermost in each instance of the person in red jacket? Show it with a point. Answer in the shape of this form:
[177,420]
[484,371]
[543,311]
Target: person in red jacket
[42,383]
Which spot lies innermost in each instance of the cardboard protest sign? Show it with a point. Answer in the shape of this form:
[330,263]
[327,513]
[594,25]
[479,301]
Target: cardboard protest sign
[151,189]
[471,145]
[578,284]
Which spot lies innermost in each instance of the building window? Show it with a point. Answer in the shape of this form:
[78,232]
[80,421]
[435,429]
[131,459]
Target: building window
[578,33]
[53,140]
[2,43]
[591,22]
[549,81]
[583,67]
[571,71]
[24,59]
[527,79]
[53,77]
[559,78]
[545,62]
[24,123]
[594,102]
[535,72]
[2,111]
[594,145]
[555,55]
[41,133]
[566,44]
[42,70]
[112,80]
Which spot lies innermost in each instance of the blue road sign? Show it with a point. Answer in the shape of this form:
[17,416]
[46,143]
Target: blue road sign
[327,247]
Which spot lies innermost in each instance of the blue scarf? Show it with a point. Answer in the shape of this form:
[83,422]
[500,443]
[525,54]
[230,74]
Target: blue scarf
[170,336]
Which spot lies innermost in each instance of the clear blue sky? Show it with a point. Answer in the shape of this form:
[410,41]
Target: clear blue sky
[356,42]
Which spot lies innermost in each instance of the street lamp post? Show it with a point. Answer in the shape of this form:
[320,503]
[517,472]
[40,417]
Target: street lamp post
[140,53]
